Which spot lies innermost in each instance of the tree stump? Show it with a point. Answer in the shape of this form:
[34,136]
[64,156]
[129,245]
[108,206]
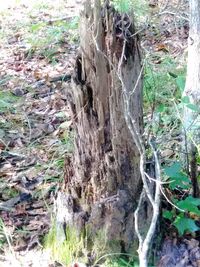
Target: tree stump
[103,179]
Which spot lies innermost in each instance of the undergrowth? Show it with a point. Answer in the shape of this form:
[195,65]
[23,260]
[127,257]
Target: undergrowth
[65,251]
[163,88]
[51,37]
[137,8]
[76,246]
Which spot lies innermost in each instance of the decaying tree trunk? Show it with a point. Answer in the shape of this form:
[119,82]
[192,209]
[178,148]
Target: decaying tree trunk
[103,180]
[192,91]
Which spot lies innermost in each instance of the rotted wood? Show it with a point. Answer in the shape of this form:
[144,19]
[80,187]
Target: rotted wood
[103,178]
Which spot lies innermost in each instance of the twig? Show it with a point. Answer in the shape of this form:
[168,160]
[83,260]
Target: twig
[136,215]
[156,181]
[169,201]
[173,14]
[51,21]
[165,6]
[29,126]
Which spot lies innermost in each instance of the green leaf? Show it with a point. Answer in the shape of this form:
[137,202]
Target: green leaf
[37,26]
[172,74]
[185,99]
[122,6]
[180,81]
[161,108]
[167,214]
[193,200]
[182,224]
[60,114]
[177,177]
[190,204]
[6,101]
[178,182]
[173,170]
[4,104]
[193,107]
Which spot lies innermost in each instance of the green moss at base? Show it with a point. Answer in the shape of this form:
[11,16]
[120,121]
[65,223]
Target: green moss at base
[70,250]
[85,248]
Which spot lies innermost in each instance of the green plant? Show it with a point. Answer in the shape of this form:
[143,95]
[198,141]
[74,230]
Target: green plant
[178,179]
[67,139]
[6,101]
[185,211]
[50,37]
[163,105]
[137,7]
[159,85]
[5,237]
[120,260]
[2,234]
[9,192]
[184,218]
[164,87]
[68,251]
[75,248]
[122,6]
[5,79]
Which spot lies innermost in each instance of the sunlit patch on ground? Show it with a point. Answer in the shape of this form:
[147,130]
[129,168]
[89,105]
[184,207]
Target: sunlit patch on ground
[33,258]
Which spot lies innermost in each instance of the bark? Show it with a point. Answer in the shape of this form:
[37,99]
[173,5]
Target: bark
[192,90]
[103,180]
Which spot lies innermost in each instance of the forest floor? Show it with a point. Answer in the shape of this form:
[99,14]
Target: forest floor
[37,51]
[38,47]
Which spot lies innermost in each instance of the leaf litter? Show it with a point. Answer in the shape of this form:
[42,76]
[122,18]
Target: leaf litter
[38,43]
